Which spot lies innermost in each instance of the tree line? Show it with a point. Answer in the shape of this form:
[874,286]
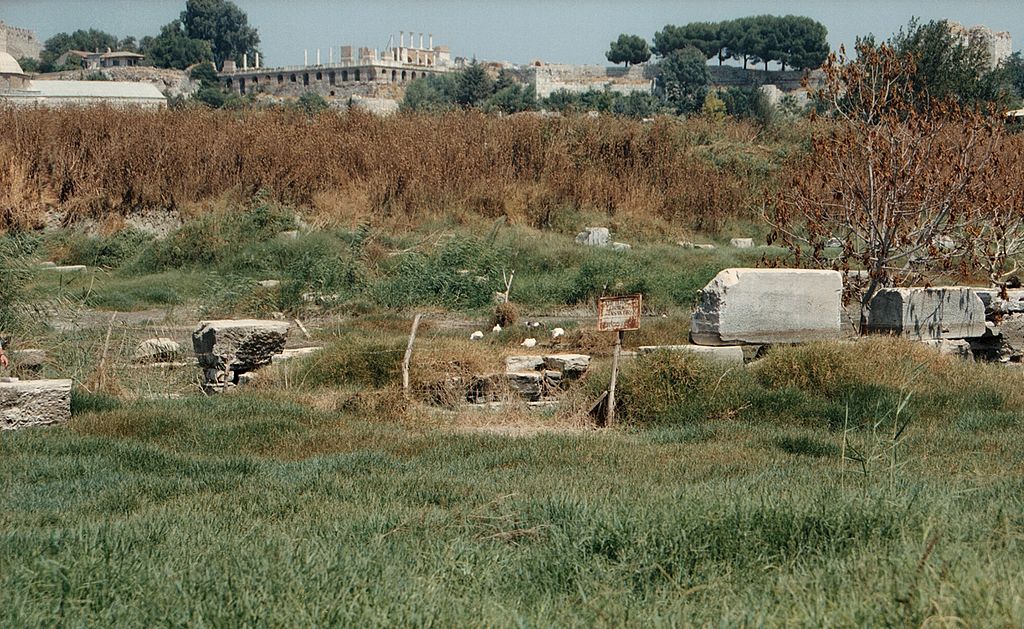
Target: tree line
[793,41]
[206,31]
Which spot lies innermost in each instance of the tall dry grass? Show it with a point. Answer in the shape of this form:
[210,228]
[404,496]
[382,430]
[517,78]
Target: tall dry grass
[528,168]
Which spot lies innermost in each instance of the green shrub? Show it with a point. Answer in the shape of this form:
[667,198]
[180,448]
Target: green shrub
[216,238]
[462,273]
[102,251]
[359,361]
[674,388]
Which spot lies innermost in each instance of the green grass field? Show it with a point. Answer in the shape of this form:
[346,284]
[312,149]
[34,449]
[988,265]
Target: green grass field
[874,483]
[255,509]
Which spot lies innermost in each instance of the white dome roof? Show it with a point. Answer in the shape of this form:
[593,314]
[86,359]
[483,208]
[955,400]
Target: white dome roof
[9,65]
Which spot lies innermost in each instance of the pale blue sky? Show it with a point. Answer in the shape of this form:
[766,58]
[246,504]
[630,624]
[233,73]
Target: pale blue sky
[516,30]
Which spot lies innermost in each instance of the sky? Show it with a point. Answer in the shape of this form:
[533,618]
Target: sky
[556,31]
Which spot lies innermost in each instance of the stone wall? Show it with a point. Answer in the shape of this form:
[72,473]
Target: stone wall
[997,46]
[21,42]
[173,83]
[786,81]
[577,79]
[330,81]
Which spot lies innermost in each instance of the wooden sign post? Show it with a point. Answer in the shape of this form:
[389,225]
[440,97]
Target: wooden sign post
[617,314]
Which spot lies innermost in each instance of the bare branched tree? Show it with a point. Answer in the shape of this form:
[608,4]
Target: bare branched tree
[901,183]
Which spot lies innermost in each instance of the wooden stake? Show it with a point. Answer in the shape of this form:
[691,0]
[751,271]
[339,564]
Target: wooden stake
[408,354]
[615,376]
[305,332]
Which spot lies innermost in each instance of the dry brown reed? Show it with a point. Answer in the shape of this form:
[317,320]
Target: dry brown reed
[355,166]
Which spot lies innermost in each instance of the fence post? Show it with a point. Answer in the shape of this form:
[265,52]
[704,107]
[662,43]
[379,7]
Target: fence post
[408,355]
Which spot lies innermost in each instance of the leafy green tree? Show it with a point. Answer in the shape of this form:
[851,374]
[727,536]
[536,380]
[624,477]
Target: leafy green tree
[944,66]
[512,99]
[472,85]
[311,103]
[435,92]
[628,49]
[1010,75]
[637,105]
[206,74]
[29,65]
[714,107]
[224,26]
[85,40]
[765,39]
[505,79]
[172,48]
[806,43]
[129,44]
[683,79]
[706,37]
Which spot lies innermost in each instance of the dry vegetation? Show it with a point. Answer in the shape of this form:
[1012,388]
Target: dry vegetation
[351,166]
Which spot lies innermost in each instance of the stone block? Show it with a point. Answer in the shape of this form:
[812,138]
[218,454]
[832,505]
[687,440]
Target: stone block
[553,380]
[742,243]
[157,350]
[994,303]
[621,246]
[523,363]
[951,347]
[238,345]
[730,354]
[34,403]
[594,237]
[529,385]
[763,306]
[569,365]
[951,312]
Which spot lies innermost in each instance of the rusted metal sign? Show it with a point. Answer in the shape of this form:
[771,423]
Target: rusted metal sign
[615,314]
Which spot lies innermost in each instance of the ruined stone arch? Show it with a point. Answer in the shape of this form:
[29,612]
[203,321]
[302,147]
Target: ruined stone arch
[319,76]
[357,74]
[344,76]
[394,75]
[403,76]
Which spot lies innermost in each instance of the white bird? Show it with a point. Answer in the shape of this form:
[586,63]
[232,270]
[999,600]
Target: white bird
[496,328]
[529,343]
[557,332]
[476,336]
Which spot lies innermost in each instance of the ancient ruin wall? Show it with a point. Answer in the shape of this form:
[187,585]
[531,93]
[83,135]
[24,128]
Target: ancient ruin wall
[21,42]
[548,79]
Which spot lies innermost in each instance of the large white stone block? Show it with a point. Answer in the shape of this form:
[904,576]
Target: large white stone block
[758,306]
[34,403]
[949,312]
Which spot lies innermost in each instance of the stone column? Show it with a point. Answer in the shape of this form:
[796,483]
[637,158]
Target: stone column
[245,61]
[421,41]
[318,56]
[305,57]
